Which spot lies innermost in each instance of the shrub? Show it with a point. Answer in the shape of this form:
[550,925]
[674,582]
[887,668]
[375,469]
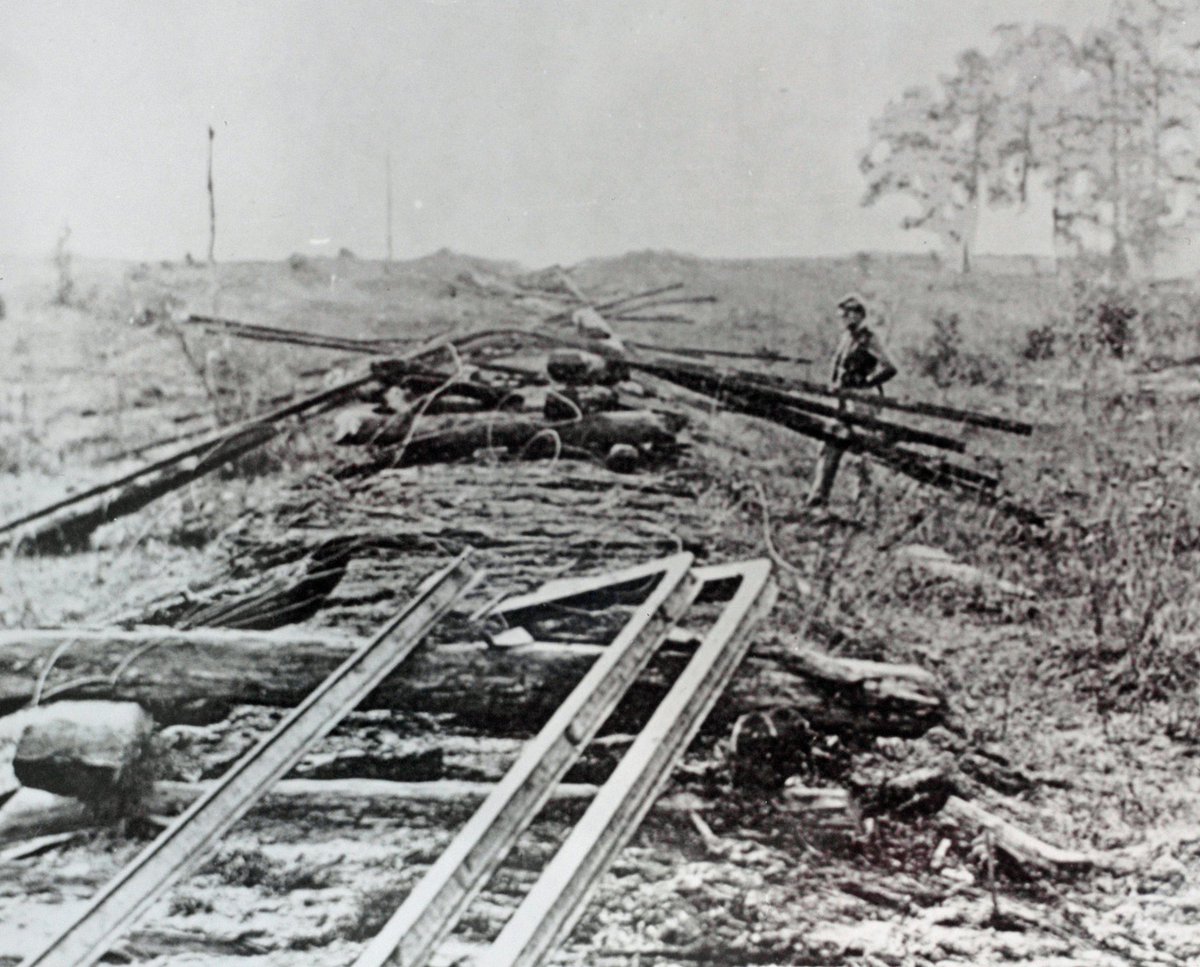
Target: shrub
[1104,316]
[1040,343]
[943,358]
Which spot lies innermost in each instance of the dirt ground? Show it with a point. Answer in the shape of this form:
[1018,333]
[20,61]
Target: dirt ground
[1076,680]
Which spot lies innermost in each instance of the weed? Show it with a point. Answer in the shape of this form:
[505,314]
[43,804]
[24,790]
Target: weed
[251,867]
[187,904]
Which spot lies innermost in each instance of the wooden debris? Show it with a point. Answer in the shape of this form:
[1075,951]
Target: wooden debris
[525,437]
[939,564]
[499,690]
[576,368]
[574,402]
[94,751]
[1019,846]
[290,594]
[38,845]
[886,681]
[823,805]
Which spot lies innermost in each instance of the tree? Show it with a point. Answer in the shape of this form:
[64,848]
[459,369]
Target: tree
[938,149]
[1116,124]
[1110,124]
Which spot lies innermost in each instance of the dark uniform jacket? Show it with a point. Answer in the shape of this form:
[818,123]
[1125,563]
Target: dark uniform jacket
[860,357]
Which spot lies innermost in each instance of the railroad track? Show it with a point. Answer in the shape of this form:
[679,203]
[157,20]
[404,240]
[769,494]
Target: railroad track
[186,841]
[662,593]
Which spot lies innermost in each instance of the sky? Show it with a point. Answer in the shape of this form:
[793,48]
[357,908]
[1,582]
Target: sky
[540,131]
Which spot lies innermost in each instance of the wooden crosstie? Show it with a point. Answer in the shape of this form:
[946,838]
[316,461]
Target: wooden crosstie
[128,895]
[661,592]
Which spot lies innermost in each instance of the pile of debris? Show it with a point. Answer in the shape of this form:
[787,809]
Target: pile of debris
[541,393]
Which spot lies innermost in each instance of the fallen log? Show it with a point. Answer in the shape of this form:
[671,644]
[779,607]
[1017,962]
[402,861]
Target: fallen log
[939,564]
[190,676]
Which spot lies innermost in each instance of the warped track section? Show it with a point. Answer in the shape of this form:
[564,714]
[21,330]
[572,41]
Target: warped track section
[437,902]
[183,843]
[557,899]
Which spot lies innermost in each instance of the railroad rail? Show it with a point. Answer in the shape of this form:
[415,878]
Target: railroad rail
[435,905]
[131,892]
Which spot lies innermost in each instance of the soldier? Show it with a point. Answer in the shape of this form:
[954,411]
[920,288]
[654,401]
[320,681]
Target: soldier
[860,363]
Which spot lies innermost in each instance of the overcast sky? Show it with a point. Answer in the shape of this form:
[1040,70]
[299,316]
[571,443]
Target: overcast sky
[538,131]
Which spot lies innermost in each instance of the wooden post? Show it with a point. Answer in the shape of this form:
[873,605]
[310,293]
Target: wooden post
[212,203]
[389,211]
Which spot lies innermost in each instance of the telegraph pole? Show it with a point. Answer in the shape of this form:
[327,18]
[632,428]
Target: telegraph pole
[389,210]
[212,202]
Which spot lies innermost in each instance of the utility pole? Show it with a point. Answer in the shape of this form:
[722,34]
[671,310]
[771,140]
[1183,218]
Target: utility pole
[212,202]
[389,211]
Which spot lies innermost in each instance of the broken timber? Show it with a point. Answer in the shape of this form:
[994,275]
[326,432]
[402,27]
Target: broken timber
[86,938]
[197,675]
[557,899]
[439,899]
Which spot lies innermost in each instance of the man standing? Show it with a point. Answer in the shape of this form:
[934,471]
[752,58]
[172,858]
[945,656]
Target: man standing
[859,363]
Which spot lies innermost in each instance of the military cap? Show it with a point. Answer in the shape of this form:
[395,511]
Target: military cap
[852,301]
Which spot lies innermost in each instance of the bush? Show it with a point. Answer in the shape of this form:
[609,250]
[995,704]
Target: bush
[1110,323]
[943,358]
[1040,343]
[1104,316]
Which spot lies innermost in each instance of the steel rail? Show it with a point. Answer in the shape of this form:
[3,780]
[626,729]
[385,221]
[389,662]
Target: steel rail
[437,902]
[557,899]
[131,892]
